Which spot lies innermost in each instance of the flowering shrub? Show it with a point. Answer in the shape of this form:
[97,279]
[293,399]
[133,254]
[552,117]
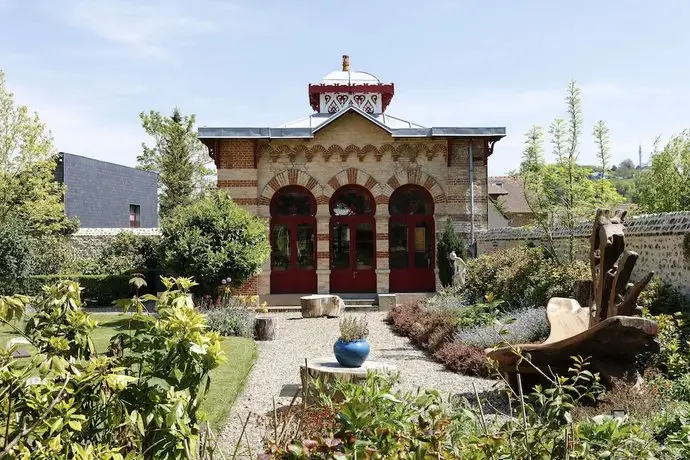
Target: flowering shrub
[525,325]
[230,322]
[459,357]
[522,277]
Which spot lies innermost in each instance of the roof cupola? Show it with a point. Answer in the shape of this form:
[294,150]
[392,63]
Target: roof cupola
[344,88]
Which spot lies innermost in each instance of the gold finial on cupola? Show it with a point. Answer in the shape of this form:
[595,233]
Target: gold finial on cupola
[346,63]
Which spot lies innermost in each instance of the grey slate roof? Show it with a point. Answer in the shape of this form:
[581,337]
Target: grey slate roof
[308,132]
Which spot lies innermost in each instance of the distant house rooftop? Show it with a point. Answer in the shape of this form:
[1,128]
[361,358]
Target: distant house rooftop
[510,194]
[507,203]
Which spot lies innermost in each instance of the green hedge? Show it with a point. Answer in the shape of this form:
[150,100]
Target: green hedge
[99,290]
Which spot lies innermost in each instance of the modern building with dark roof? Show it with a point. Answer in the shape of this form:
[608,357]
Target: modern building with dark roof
[107,195]
[356,197]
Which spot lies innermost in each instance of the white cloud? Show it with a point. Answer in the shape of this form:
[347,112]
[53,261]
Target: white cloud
[150,28]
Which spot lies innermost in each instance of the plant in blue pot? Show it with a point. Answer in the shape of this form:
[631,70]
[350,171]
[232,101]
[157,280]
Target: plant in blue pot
[352,348]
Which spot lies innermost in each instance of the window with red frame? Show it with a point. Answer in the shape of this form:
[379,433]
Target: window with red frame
[134,215]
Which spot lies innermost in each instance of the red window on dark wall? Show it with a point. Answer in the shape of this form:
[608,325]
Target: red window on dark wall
[134,215]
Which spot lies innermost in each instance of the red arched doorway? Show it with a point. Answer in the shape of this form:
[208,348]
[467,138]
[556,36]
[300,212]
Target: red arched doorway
[412,240]
[293,241]
[353,240]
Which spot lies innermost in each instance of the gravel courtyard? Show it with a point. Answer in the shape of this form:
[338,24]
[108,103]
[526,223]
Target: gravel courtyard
[278,365]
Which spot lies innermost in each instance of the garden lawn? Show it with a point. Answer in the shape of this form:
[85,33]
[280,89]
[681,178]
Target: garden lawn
[227,379]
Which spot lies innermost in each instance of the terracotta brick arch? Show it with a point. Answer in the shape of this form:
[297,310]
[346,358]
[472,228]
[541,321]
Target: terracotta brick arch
[419,177]
[289,177]
[353,176]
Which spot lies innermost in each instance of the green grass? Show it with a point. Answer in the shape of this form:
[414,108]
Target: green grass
[227,379]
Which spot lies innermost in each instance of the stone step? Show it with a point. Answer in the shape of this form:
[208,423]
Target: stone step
[355,302]
[284,308]
[360,308]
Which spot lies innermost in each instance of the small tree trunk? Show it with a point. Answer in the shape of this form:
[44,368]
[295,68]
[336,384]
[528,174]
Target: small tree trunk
[265,327]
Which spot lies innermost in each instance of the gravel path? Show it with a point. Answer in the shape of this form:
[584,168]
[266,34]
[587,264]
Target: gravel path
[278,365]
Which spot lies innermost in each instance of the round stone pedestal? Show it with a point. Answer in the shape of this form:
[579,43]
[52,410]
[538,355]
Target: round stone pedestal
[327,370]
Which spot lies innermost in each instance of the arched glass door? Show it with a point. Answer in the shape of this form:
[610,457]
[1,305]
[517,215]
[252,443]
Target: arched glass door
[353,240]
[411,239]
[293,241]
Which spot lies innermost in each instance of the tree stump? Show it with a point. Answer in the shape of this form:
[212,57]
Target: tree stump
[326,371]
[317,305]
[265,327]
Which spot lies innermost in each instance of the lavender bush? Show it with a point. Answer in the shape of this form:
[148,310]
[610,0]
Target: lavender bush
[529,325]
[448,298]
[236,322]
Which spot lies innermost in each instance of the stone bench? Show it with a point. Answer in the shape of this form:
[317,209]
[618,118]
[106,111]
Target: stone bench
[318,305]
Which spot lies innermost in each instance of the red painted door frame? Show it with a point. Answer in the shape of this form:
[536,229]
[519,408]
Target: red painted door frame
[294,280]
[412,279]
[351,279]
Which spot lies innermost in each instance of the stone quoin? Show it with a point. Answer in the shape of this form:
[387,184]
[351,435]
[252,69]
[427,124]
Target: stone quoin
[355,197]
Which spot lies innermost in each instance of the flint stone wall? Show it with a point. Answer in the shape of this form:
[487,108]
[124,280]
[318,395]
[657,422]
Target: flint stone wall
[657,238]
[87,243]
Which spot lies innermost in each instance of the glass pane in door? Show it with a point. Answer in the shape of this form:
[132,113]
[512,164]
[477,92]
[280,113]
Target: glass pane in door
[340,244]
[365,246]
[399,252]
[423,252]
[305,247]
[280,247]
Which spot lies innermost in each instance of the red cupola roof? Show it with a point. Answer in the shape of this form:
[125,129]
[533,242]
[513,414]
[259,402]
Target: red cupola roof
[343,88]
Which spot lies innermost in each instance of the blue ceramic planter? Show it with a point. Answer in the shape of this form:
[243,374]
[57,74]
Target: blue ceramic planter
[351,354]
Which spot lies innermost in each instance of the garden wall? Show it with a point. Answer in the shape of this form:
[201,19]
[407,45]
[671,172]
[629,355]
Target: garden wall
[88,242]
[658,238]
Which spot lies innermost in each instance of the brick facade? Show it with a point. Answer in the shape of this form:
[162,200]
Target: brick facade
[353,150]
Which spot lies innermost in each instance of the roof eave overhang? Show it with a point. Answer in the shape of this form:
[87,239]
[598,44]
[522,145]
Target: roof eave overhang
[494,134]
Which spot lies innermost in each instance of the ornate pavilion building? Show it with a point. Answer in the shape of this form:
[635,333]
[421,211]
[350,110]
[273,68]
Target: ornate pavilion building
[356,198]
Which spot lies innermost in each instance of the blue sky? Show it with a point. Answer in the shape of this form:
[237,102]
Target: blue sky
[89,67]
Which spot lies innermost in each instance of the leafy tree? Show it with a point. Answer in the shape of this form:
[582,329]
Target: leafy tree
[557,132]
[626,165]
[665,186]
[603,143]
[178,156]
[561,194]
[15,257]
[28,190]
[533,157]
[214,239]
[449,242]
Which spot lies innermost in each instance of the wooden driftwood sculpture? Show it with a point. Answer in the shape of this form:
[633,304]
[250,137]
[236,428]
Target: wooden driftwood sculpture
[605,330]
